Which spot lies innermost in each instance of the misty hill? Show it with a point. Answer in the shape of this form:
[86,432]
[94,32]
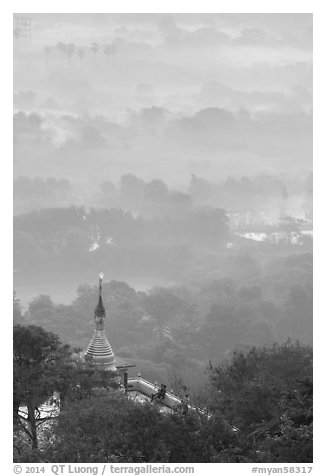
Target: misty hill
[256,200]
[256,301]
[72,238]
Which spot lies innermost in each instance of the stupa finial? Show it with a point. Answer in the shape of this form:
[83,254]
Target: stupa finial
[100,276]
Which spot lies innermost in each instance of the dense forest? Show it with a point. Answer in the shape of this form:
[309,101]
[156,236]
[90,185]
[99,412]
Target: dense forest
[179,329]
[259,403]
[145,232]
[212,289]
[215,321]
[265,197]
[219,331]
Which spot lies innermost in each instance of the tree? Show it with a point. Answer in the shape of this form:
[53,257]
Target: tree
[106,428]
[109,50]
[17,310]
[164,305]
[203,227]
[156,191]
[62,48]
[267,395]
[70,49]
[131,190]
[292,442]
[94,48]
[80,54]
[47,51]
[36,354]
[41,311]
[45,371]
[77,380]
[111,428]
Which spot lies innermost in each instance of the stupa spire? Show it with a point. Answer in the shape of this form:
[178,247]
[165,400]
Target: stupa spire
[99,349]
[99,313]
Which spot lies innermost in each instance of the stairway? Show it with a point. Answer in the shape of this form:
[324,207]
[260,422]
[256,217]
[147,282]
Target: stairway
[148,388]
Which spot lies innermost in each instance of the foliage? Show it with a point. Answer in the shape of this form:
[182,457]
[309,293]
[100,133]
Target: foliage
[260,404]
[17,310]
[266,395]
[44,366]
[110,428]
[183,327]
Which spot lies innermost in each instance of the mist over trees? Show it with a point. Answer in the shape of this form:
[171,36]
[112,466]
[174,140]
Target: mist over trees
[257,200]
[35,193]
[173,153]
[259,404]
[209,288]
[180,328]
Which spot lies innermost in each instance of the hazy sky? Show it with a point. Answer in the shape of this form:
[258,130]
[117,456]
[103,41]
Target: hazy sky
[176,94]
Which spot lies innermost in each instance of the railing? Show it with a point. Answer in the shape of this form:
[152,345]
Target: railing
[148,388]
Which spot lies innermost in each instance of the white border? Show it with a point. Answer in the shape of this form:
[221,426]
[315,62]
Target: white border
[96,6]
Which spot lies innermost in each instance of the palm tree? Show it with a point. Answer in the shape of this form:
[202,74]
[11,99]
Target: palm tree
[70,48]
[47,51]
[16,32]
[62,48]
[80,54]
[109,50]
[94,48]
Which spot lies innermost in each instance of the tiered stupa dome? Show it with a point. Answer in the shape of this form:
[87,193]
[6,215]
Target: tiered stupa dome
[99,350]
